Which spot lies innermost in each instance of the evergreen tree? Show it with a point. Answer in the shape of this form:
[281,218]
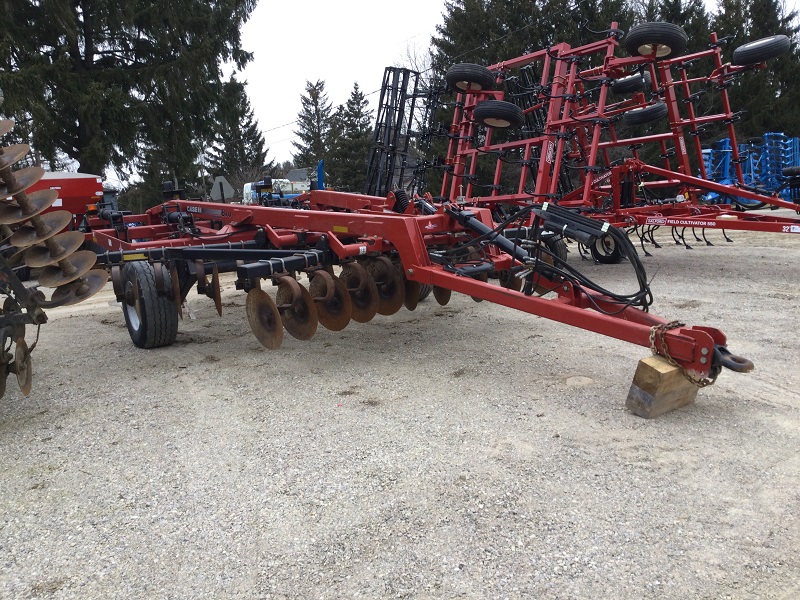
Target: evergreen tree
[314,123]
[691,15]
[99,79]
[238,150]
[350,140]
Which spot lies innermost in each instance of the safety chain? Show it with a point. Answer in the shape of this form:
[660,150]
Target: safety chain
[661,331]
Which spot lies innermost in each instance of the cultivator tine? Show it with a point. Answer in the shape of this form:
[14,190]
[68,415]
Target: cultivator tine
[652,232]
[705,239]
[640,233]
[264,318]
[297,308]
[334,306]
[363,291]
[725,235]
[442,295]
[216,291]
[389,282]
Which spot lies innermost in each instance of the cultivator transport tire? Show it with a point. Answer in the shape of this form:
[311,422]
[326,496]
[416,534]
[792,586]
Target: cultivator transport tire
[667,40]
[425,290]
[605,250]
[639,82]
[646,114]
[557,246]
[499,114]
[791,171]
[150,316]
[468,77]
[761,50]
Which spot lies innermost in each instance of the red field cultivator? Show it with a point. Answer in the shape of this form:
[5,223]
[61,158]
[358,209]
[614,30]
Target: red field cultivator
[572,127]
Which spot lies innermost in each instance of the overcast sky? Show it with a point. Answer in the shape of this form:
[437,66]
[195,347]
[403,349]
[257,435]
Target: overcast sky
[340,42]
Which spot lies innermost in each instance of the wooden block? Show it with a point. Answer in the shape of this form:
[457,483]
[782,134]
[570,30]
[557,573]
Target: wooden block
[659,387]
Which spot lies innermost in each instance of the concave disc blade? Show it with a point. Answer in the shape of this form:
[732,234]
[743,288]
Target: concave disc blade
[66,243]
[389,281]
[11,154]
[412,294]
[23,368]
[336,313]
[35,203]
[52,223]
[176,290]
[6,125]
[54,276]
[25,178]
[442,295]
[363,292]
[216,290]
[264,319]
[300,318]
[78,291]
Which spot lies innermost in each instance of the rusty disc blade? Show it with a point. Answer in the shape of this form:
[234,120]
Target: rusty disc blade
[22,367]
[412,294]
[389,281]
[25,178]
[66,243]
[11,154]
[54,276]
[6,125]
[176,290]
[264,319]
[508,281]
[300,316]
[363,292]
[51,224]
[216,290]
[78,291]
[35,203]
[5,359]
[442,295]
[480,277]
[335,313]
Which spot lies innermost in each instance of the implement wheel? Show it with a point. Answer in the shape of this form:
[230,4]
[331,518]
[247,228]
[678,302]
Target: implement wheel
[499,114]
[150,316]
[468,77]
[646,114]
[633,83]
[761,50]
[666,40]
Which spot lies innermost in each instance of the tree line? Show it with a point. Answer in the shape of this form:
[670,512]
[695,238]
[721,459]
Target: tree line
[137,86]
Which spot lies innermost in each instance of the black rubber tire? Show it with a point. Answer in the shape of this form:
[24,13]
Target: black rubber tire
[424,291]
[761,50]
[498,114]
[557,246]
[791,171]
[646,114]
[468,77]
[669,40]
[152,322]
[605,250]
[633,83]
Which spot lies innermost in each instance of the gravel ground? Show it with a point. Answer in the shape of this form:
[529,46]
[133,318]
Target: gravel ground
[462,451]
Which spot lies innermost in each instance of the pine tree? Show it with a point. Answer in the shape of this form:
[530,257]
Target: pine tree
[99,80]
[314,123]
[238,150]
[350,141]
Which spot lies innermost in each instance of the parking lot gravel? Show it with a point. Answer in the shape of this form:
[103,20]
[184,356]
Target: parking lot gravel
[459,451]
